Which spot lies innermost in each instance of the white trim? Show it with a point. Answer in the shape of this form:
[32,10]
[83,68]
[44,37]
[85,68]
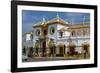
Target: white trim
[53,63]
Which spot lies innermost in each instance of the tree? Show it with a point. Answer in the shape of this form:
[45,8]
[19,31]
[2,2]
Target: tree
[37,46]
[52,46]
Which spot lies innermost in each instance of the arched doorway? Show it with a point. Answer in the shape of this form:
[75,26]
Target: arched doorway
[61,49]
[43,47]
[71,49]
[85,50]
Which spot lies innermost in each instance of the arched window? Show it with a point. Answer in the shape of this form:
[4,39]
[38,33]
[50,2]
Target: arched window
[73,33]
[61,34]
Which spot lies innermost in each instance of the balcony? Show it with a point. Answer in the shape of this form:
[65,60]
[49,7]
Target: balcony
[73,37]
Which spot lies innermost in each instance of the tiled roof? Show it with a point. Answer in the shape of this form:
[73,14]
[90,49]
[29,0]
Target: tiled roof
[57,19]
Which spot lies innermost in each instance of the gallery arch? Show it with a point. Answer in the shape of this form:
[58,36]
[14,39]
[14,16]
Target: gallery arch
[71,49]
[61,49]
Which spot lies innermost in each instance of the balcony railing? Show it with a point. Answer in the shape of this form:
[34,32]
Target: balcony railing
[74,37]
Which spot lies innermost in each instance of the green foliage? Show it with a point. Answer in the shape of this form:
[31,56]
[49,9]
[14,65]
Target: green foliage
[51,43]
[37,44]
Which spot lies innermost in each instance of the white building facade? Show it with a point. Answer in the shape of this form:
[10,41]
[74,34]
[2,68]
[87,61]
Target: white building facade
[61,36]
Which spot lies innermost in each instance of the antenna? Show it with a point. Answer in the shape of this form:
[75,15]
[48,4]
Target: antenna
[72,21]
[84,20]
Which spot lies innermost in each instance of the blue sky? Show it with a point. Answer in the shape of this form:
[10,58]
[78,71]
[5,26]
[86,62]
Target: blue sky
[30,17]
